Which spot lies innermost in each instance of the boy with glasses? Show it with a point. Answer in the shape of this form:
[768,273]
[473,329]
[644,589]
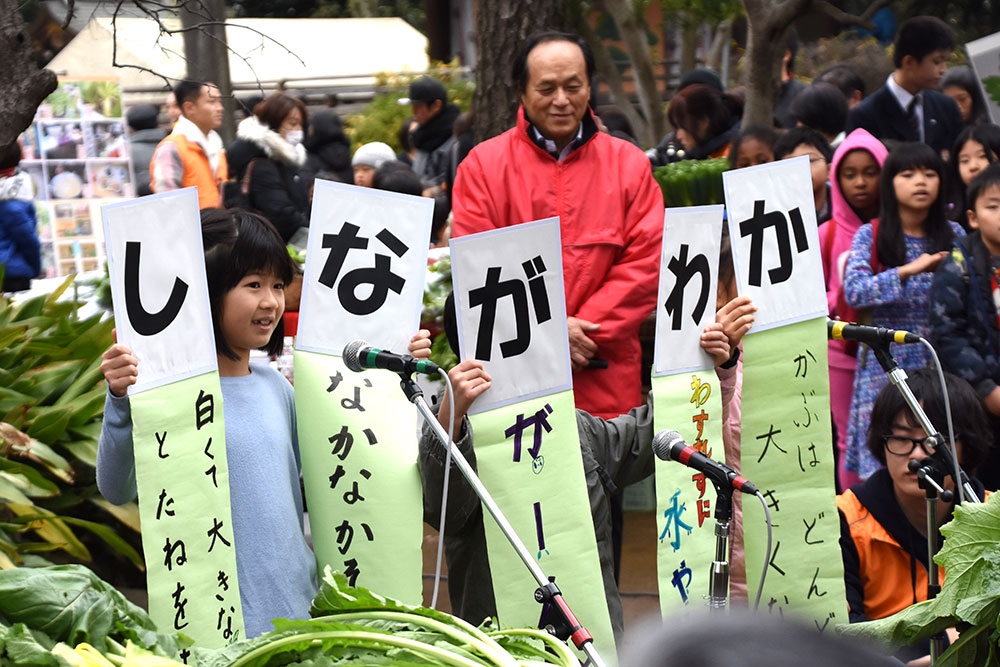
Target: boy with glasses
[884,519]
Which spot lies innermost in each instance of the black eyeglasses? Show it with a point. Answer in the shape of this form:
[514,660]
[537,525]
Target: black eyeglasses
[902,445]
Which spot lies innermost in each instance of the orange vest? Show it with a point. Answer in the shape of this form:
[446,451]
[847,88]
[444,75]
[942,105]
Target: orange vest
[196,171]
[884,565]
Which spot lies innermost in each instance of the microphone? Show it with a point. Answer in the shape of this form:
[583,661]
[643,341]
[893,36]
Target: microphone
[837,330]
[359,356]
[669,445]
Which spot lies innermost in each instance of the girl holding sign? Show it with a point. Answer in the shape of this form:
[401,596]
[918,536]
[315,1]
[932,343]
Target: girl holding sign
[247,269]
[889,270]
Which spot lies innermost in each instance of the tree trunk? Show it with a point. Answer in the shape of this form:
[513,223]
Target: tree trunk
[689,45]
[767,23]
[501,27]
[723,33]
[23,86]
[438,13]
[633,35]
[208,57]
[606,70]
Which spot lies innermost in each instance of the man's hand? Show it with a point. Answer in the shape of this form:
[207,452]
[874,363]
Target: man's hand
[119,367]
[581,348]
[736,318]
[420,345]
[468,380]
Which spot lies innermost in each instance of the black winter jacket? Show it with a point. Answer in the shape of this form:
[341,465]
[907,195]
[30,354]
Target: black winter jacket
[276,188]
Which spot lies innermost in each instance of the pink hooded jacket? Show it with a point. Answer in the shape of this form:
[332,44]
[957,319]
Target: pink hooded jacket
[846,222]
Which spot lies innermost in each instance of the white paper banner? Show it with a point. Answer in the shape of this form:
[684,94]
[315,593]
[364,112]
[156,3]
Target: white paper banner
[370,282]
[689,270]
[772,228]
[157,265]
[512,307]
[984,56]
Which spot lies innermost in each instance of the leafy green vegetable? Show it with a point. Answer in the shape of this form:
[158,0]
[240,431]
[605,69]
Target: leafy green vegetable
[70,604]
[969,597]
[358,626]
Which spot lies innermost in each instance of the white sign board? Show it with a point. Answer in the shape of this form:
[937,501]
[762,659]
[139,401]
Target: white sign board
[365,266]
[984,56]
[772,229]
[689,270]
[511,310]
[156,262]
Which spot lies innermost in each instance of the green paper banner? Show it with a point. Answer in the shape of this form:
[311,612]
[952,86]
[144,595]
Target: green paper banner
[182,477]
[786,451]
[528,456]
[358,442]
[691,404]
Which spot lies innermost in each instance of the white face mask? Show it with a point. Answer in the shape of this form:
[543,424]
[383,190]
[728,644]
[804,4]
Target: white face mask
[294,137]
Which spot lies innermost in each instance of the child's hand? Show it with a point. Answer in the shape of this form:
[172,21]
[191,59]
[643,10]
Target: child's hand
[925,263]
[736,318]
[716,343]
[119,367]
[420,345]
[469,379]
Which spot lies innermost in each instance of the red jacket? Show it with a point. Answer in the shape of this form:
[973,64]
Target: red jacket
[611,217]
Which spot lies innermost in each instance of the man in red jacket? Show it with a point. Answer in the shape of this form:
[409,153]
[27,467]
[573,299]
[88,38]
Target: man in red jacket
[555,162]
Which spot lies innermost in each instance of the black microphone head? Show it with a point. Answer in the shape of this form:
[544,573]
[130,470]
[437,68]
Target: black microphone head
[351,355]
[665,442]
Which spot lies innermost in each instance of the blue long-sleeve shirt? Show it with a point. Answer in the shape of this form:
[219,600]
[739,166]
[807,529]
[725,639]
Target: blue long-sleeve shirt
[277,569]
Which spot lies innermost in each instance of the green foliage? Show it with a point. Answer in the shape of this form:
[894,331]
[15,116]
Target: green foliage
[992,86]
[692,182]
[51,405]
[970,595]
[382,118]
[435,294]
[357,626]
[710,11]
[105,96]
[70,604]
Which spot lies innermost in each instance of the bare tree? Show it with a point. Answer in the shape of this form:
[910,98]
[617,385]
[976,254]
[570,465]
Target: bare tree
[608,71]
[631,27]
[501,27]
[23,86]
[767,24]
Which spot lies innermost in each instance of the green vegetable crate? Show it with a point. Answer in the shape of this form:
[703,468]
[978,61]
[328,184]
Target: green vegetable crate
[692,182]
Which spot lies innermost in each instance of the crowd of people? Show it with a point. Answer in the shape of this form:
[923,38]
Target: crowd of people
[907,198]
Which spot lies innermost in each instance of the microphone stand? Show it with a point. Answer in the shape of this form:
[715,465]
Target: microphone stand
[898,378]
[931,473]
[557,618]
[718,576]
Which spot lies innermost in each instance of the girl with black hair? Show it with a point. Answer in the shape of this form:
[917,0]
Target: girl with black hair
[247,270]
[884,519]
[976,147]
[889,270]
[960,84]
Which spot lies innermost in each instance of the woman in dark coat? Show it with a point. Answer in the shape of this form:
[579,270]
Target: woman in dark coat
[266,160]
[328,148]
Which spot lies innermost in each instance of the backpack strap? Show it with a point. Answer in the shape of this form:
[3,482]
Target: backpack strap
[245,183]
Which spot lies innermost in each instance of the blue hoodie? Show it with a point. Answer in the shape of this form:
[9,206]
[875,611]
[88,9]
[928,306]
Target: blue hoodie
[20,252]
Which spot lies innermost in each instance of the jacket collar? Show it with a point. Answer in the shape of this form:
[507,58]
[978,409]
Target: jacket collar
[274,146]
[587,131]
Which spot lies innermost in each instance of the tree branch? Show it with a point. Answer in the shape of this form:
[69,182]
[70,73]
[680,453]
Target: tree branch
[863,20]
[70,10]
